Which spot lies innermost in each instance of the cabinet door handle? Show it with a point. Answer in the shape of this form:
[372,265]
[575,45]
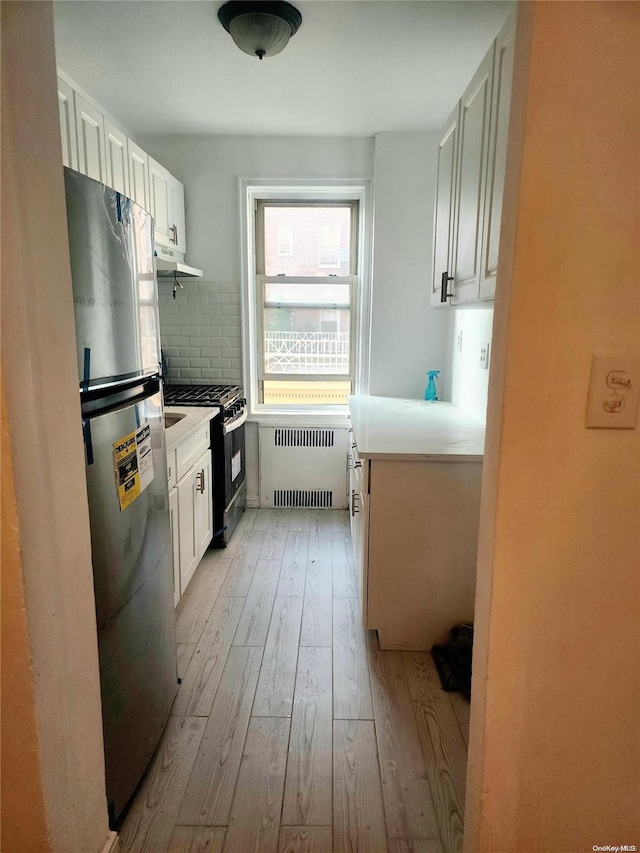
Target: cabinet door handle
[349,462]
[354,498]
[200,483]
[175,234]
[443,286]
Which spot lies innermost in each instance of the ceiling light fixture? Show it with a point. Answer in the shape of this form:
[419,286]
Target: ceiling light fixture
[260,29]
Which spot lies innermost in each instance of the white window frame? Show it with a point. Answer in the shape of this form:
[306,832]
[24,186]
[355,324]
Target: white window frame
[253,190]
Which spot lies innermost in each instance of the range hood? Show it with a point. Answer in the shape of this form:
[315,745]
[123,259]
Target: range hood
[175,269]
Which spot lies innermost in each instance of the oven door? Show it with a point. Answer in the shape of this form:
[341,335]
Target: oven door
[234,470]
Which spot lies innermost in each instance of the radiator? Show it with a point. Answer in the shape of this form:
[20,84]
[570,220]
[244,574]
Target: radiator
[303,467]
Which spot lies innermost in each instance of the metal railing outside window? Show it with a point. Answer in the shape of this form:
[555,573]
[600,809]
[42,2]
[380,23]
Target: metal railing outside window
[319,353]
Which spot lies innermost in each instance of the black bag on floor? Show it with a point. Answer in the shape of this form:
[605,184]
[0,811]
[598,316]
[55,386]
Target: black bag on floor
[453,662]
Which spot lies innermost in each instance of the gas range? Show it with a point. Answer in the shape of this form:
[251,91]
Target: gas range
[227,445]
[228,397]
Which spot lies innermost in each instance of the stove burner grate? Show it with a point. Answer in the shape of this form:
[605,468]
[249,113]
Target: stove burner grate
[201,395]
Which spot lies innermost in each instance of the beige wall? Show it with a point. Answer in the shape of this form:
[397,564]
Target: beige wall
[57,699]
[554,734]
[22,807]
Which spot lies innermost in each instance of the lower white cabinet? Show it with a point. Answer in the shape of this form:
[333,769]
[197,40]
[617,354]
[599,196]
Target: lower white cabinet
[414,529]
[190,505]
[195,517]
[175,543]
[359,521]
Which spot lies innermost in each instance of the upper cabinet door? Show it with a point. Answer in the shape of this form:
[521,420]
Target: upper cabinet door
[498,136]
[92,159]
[475,110]
[444,208]
[178,234]
[159,181]
[138,174]
[68,136]
[117,159]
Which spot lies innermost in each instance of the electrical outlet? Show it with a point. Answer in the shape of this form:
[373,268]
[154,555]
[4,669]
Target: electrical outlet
[484,356]
[460,341]
[614,391]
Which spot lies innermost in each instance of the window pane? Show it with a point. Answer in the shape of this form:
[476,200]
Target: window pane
[285,241]
[318,238]
[329,246]
[307,393]
[294,293]
[295,341]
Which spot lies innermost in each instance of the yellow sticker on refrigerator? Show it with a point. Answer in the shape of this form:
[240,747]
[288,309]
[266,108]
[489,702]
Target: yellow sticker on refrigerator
[133,461]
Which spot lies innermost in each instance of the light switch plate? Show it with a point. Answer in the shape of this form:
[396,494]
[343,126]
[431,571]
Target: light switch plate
[614,391]
[484,356]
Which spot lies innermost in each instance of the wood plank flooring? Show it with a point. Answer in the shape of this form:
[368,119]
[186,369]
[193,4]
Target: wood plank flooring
[291,731]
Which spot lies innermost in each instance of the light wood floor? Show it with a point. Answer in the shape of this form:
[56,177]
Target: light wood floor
[291,731]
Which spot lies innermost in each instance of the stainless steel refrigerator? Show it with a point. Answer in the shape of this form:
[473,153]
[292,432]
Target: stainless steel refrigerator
[116,312]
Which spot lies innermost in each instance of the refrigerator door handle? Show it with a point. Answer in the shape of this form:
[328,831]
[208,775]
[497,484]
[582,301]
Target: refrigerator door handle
[94,403]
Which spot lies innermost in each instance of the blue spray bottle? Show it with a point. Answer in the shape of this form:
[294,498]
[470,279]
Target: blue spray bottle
[430,391]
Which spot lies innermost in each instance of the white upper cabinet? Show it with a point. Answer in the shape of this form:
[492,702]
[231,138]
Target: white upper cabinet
[68,133]
[497,160]
[443,244]
[167,208]
[475,108]
[117,158]
[138,174]
[93,145]
[92,159]
[470,183]
[159,179]
[176,208]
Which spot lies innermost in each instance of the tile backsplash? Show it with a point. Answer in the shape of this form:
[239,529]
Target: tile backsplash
[201,331]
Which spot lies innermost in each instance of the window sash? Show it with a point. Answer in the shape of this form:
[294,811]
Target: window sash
[263,374]
[261,204]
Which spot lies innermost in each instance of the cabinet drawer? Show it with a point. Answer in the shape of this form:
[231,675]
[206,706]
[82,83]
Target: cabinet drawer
[171,469]
[360,468]
[190,450]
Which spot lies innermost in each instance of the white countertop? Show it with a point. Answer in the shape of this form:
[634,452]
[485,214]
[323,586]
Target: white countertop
[396,428]
[194,417]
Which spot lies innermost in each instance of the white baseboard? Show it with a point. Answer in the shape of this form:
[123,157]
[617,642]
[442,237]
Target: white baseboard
[112,844]
[253,502]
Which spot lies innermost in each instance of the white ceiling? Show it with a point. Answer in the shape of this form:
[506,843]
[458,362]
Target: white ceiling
[354,68]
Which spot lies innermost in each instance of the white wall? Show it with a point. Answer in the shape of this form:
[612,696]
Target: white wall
[407,336]
[201,330]
[469,381]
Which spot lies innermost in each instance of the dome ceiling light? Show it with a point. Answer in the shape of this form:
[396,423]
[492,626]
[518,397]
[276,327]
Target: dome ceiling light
[260,29]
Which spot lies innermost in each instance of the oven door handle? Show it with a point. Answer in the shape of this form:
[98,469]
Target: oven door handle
[237,422]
